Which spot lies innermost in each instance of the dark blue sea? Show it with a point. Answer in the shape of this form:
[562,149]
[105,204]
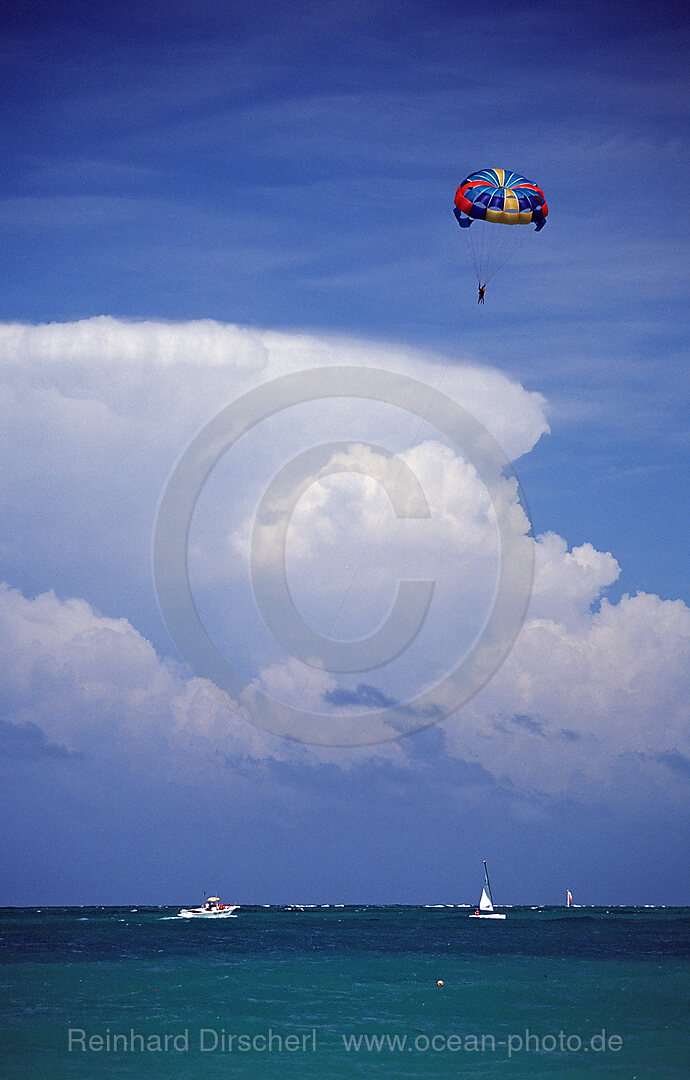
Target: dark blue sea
[335,992]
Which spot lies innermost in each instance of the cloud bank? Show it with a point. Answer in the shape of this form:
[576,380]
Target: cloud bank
[590,706]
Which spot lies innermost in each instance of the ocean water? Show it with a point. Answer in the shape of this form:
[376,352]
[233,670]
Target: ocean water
[333,992]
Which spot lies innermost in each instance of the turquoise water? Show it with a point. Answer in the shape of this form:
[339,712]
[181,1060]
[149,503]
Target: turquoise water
[278,992]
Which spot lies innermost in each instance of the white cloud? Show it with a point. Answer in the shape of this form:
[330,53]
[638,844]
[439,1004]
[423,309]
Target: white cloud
[585,695]
[573,710]
[144,368]
[95,686]
[97,690]
[567,582]
[97,412]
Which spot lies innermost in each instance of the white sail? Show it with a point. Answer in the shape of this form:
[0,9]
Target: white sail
[485,902]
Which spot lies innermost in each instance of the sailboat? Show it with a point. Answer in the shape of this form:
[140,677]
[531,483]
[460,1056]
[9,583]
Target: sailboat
[568,899]
[486,904]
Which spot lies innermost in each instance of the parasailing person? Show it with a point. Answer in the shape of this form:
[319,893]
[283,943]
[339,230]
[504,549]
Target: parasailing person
[490,200]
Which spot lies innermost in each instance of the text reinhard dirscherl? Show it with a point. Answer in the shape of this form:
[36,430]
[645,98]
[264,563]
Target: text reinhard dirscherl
[218,1040]
[205,1041]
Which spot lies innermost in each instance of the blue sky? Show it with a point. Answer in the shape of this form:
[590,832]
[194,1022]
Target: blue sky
[292,172]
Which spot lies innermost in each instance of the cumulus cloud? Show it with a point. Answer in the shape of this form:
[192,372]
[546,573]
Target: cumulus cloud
[590,690]
[134,368]
[97,412]
[94,687]
[574,708]
[567,582]
[350,541]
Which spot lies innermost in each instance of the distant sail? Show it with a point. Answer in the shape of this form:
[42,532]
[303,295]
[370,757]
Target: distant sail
[485,902]
[569,899]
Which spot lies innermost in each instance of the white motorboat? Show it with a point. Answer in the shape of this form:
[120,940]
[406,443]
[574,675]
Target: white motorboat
[486,904]
[212,908]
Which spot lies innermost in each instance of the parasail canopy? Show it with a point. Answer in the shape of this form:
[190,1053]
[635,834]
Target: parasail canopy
[500,197]
[491,199]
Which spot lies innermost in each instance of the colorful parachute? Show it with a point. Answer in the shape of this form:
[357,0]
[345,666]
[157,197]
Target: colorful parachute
[496,197]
